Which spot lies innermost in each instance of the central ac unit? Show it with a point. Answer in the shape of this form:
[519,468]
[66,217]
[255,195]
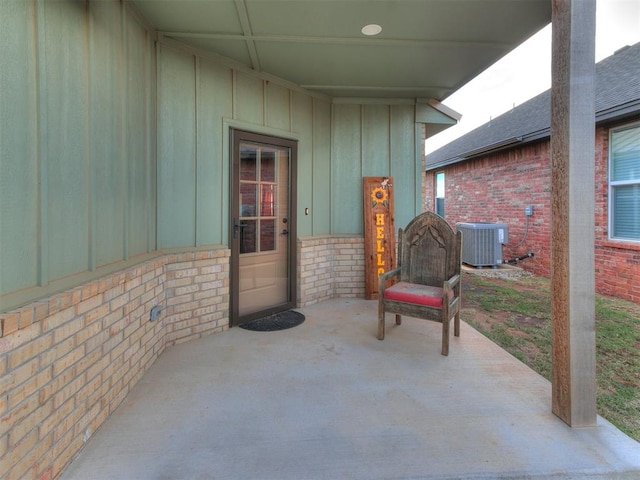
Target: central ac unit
[482,243]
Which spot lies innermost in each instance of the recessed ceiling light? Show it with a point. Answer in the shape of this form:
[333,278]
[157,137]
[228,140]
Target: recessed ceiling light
[371,29]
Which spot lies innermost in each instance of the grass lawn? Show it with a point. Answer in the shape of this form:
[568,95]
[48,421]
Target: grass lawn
[516,314]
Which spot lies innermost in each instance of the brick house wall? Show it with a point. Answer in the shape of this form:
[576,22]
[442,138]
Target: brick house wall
[498,186]
[617,262]
[68,361]
[330,266]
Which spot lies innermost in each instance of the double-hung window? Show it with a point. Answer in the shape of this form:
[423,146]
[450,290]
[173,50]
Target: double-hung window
[624,183]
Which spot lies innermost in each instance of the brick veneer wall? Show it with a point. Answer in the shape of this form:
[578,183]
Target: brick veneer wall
[330,266]
[496,188]
[68,361]
[197,290]
[617,262]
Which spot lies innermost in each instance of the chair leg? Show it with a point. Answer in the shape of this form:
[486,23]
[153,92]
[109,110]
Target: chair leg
[398,319]
[445,337]
[380,323]
[456,324]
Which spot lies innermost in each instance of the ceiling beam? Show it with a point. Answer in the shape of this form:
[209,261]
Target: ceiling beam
[424,88]
[340,40]
[243,18]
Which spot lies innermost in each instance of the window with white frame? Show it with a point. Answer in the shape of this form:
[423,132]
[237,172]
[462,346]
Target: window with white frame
[624,183]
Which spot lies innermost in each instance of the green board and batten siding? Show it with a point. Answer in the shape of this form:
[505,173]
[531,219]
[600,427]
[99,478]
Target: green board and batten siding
[176,149]
[338,144]
[343,195]
[320,183]
[115,145]
[374,140]
[302,115]
[214,103]
[77,163]
[19,201]
[65,139]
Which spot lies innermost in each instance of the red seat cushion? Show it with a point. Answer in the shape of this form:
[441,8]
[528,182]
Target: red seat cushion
[414,293]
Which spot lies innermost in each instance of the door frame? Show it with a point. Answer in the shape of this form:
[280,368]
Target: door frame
[238,136]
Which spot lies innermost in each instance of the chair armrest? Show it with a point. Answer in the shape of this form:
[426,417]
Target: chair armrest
[453,281]
[383,277]
[447,288]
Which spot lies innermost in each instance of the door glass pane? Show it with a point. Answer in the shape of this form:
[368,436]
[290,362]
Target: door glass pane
[248,236]
[248,163]
[268,166]
[267,235]
[268,200]
[248,199]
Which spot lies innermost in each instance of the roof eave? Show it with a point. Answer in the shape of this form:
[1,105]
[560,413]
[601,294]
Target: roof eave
[617,113]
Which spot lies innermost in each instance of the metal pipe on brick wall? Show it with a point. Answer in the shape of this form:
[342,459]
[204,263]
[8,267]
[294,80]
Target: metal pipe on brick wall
[521,257]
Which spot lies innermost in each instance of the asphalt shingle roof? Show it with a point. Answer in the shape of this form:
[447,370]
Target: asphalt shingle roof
[617,94]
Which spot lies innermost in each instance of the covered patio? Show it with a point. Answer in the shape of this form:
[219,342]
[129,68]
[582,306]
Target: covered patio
[119,248]
[326,399]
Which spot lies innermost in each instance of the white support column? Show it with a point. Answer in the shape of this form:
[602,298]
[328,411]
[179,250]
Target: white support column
[573,208]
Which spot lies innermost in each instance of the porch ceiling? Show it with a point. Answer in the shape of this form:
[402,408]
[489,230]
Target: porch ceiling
[427,48]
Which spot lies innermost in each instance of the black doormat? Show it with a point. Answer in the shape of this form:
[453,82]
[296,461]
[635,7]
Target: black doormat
[277,321]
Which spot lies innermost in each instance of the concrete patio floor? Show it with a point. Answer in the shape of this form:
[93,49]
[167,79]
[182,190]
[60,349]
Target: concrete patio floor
[327,400]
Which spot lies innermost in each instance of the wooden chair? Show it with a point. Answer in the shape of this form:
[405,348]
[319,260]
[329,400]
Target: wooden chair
[427,277]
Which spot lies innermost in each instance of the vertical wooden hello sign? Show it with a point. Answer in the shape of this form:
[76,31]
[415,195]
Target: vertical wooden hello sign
[379,231]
